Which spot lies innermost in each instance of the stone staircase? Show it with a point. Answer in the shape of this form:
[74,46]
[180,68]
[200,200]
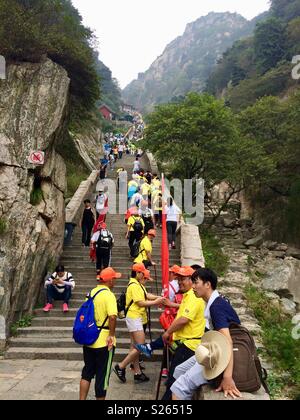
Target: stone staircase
[50,335]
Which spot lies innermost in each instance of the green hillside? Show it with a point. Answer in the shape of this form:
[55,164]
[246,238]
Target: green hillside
[262,64]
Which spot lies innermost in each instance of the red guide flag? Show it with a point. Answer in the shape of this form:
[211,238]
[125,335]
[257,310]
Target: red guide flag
[164,247]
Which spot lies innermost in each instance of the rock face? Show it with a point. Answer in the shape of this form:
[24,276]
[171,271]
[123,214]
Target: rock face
[188,61]
[89,146]
[284,279]
[33,103]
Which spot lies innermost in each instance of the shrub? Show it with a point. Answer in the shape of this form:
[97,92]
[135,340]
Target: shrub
[24,322]
[36,196]
[3,226]
[281,348]
[215,258]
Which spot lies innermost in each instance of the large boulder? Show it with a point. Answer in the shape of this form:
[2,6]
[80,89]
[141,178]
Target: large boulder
[293,252]
[284,279]
[255,242]
[33,103]
[271,245]
[288,307]
[229,223]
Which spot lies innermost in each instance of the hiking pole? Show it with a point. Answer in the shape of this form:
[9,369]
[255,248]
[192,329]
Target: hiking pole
[156,280]
[149,324]
[160,376]
[168,358]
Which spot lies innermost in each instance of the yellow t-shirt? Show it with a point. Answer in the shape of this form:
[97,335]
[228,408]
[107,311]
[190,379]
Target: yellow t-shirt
[156,183]
[132,220]
[146,246]
[193,309]
[133,184]
[145,188]
[136,293]
[105,305]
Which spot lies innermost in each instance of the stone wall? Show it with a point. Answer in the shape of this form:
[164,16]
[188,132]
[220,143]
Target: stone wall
[191,246]
[75,207]
[33,103]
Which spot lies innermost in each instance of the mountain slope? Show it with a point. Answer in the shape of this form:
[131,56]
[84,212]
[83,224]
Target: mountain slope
[110,91]
[187,62]
[260,65]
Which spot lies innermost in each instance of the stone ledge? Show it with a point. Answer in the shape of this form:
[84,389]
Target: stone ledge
[207,393]
[191,246]
[152,163]
[73,209]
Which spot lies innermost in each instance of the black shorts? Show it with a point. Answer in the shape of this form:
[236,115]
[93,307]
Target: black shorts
[98,363]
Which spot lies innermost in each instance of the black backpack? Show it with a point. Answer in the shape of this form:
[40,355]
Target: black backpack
[136,249]
[138,226]
[148,223]
[105,240]
[121,302]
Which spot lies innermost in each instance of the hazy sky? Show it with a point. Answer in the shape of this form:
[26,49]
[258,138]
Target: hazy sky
[133,33]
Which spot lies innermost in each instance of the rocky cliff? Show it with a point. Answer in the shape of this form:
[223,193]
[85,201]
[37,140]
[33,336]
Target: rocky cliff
[33,103]
[187,62]
[88,143]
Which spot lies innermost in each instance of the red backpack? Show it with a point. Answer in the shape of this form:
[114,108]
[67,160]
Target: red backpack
[168,316]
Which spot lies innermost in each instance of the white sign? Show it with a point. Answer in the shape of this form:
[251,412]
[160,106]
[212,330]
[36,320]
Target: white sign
[37,158]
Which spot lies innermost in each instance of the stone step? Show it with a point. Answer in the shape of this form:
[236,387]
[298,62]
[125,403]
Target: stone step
[82,295]
[69,322]
[115,257]
[74,306]
[232,292]
[63,332]
[69,354]
[89,284]
[55,342]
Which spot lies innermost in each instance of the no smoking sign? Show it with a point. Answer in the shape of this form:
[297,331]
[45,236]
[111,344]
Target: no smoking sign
[37,158]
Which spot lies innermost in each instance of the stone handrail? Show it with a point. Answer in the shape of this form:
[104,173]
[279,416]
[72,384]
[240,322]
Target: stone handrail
[75,208]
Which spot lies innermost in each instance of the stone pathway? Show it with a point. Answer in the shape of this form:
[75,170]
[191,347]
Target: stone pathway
[54,363]
[59,380]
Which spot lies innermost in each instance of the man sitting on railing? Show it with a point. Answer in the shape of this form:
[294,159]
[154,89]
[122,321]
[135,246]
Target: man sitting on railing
[219,315]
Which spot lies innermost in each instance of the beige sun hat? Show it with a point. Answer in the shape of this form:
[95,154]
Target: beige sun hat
[214,354]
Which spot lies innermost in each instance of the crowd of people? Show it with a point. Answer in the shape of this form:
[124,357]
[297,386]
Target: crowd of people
[193,305]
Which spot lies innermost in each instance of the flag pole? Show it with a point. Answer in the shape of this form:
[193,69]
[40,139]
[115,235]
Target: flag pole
[164,247]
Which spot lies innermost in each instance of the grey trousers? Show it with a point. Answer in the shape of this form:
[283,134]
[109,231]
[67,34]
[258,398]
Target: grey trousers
[189,377]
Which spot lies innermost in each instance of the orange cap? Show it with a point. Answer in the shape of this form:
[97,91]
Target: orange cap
[139,268]
[174,269]
[152,232]
[108,274]
[185,271]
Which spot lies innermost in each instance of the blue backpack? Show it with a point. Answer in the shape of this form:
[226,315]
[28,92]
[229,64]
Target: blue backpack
[85,331]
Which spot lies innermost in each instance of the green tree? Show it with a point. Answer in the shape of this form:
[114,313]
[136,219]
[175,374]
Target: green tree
[286,9]
[199,138]
[273,124]
[269,44]
[54,29]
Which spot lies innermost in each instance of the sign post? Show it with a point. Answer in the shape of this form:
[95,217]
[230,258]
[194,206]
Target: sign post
[37,158]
